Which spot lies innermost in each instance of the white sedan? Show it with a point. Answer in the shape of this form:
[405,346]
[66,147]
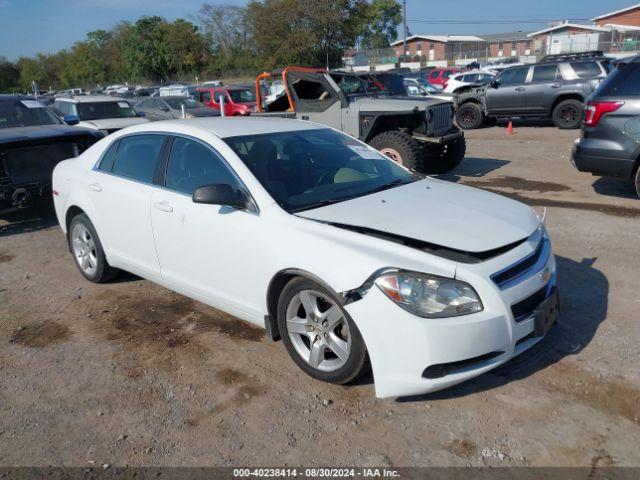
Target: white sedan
[462,79]
[350,258]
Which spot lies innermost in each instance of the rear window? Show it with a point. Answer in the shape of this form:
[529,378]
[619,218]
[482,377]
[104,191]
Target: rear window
[621,83]
[586,69]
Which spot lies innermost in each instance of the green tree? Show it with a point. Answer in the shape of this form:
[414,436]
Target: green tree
[380,24]
[158,50]
[9,75]
[304,32]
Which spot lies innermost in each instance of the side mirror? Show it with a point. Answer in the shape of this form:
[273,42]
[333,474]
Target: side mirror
[142,114]
[222,194]
[165,109]
[494,83]
[71,119]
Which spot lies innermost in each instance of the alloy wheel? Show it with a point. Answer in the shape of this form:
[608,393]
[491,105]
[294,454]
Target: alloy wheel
[318,330]
[84,249]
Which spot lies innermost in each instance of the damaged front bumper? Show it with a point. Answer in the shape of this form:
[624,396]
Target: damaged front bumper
[411,355]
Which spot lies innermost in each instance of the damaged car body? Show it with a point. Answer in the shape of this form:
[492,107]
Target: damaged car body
[33,140]
[333,262]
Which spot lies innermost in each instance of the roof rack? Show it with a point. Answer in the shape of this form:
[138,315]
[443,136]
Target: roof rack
[572,56]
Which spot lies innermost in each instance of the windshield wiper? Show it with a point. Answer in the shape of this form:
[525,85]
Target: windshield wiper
[323,203]
[388,185]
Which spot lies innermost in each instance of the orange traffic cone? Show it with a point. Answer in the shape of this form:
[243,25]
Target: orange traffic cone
[510,128]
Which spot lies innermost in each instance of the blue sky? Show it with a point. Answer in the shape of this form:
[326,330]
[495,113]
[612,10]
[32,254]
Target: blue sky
[31,26]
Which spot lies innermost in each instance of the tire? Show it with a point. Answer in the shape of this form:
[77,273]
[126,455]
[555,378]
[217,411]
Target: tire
[87,251]
[304,333]
[568,114]
[444,158]
[637,181]
[400,148]
[469,116]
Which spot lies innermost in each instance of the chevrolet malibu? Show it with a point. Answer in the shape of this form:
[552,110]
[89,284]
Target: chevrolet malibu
[351,259]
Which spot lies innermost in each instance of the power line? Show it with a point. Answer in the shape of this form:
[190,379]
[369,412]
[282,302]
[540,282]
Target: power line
[490,22]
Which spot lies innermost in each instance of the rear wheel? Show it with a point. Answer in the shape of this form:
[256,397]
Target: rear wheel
[638,181]
[399,147]
[469,116]
[444,158]
[87,251]
[567,114]
[319,334]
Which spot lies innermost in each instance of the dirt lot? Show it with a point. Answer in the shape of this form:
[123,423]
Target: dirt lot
[132,374]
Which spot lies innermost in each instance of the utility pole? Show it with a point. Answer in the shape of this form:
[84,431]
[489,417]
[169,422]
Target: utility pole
[404,28]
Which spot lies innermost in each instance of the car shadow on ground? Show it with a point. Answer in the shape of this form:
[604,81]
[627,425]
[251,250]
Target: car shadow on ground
[473,167]
[615,187]
[26,220]
[584,292]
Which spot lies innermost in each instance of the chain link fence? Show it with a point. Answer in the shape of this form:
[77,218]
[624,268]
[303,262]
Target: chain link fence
[462,53]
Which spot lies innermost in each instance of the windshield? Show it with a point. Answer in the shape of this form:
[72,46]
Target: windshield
[101,110]
[26,113]
[176,103]
[242,96]
[307,169]
[389,84]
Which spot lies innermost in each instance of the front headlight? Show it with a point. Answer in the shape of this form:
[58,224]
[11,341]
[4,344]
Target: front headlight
[429,296]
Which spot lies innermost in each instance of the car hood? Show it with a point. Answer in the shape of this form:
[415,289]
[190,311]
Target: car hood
[21,134]
[394,104]
[437,212]
[112,123]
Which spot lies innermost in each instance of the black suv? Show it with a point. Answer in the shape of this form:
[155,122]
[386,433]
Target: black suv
[551,89]
[610,141]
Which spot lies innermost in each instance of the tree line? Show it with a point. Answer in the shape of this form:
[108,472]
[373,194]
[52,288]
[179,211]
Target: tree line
[218,41]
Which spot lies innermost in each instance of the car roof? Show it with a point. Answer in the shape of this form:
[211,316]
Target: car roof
[7,97]
[225,127]
[92,99]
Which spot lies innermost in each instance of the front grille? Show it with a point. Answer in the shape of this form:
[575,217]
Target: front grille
[34,163]
[524,308]
[530,264]
[439,119]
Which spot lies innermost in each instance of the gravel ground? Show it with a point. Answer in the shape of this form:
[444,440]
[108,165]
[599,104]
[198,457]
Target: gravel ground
[131,374]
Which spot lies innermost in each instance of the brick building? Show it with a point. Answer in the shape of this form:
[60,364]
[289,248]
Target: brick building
[513,44]
[438,47]
[628,17]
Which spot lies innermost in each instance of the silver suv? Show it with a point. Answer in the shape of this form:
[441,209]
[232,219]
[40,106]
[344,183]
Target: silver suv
[549,89]
[610,141]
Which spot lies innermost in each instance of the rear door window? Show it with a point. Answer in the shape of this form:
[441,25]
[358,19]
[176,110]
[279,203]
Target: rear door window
[138,157]
[586,69]
[106,163]
[545,73]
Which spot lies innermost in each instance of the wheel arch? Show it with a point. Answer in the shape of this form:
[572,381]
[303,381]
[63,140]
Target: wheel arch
[275,288]
[563,97]
[72,212]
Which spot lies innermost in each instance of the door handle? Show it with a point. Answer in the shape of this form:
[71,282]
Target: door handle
[163,206]
[520,89]
[95,187]
[556,85]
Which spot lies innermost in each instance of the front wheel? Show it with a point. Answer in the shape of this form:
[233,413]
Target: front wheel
[444,158]
[637,181]
[319,334]
[568,114]
[469,116]
[399,147]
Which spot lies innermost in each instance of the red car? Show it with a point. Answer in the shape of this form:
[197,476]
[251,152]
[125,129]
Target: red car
[237,100]
[440,76]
